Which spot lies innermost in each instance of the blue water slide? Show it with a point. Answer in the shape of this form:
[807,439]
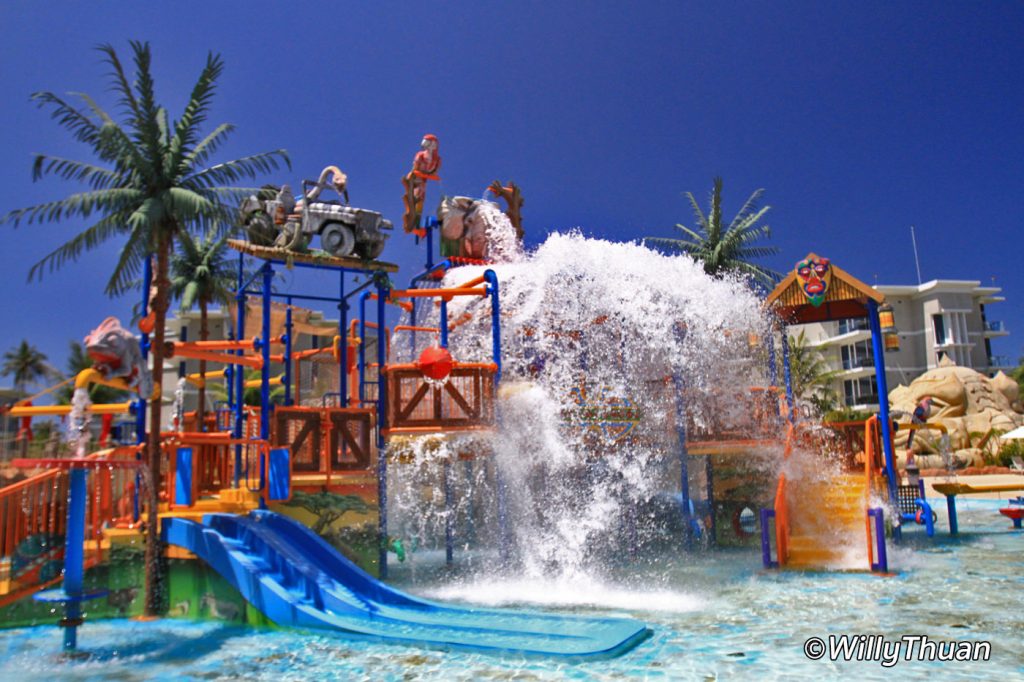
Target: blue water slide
[296,579]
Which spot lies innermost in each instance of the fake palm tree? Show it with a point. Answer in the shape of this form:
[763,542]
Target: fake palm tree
[812,377]
[150,184]
[202,274]
[26,364]
[728,248]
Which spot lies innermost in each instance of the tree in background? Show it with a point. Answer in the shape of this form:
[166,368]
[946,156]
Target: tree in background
[725,249]
[150,183]
[812,378]
[201,273]
[27,365]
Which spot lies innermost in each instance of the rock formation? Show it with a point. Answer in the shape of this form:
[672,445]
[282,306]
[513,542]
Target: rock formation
[974,408]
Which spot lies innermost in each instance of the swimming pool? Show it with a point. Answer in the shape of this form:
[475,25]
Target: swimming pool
[714,616]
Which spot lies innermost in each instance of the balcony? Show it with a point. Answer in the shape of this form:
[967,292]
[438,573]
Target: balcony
[859,324]
[842,339]
[859,363]
[995,328]
[1001,362]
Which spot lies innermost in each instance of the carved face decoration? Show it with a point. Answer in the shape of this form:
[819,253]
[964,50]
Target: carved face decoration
[815,275]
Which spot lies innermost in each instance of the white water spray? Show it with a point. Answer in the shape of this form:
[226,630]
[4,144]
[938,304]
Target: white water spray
[596,338]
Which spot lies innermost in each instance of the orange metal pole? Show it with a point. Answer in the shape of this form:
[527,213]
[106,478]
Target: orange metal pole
[255,362]
[439,293]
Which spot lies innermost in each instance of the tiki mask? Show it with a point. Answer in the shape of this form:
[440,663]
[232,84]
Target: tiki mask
[815,275]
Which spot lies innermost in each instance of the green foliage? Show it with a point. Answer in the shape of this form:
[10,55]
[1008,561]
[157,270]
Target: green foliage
[201,272]
[846,414]
[27,365]
[1018,376]
[725,249]
[1010,449]
[812,378]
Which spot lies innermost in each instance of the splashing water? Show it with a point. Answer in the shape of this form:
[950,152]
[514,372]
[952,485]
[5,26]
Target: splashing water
[596,338]
[78,422]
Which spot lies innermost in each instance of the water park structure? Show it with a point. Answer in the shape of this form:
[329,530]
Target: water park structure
[466,413]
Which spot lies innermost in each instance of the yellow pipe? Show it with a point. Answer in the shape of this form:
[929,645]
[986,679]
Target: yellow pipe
[926,425]
[60,410]
[256,383]
[94,376]
[197,380]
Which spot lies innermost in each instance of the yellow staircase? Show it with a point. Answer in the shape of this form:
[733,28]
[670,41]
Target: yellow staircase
[826,521]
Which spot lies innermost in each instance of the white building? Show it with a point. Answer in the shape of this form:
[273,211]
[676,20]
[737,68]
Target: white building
[937,319]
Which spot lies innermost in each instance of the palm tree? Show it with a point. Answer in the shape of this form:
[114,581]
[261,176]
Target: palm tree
[729,249]
[201,273]
[150,185]
[812,378]
[27,364]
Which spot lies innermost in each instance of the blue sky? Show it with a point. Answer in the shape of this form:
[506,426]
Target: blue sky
[859,120]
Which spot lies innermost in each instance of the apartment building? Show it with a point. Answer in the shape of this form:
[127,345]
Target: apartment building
[937,319]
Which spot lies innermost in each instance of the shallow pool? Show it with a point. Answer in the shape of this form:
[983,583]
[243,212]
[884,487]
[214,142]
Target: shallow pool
[713,616]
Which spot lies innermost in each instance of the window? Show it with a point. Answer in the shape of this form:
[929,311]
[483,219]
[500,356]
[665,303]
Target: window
[939,325]
[857,355]
[863,391]
[856,324]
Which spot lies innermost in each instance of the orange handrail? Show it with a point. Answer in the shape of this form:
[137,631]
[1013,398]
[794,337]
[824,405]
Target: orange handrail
[412,328]
[781,521]
[455,365]
[404,305]
[439,293]
[870,454]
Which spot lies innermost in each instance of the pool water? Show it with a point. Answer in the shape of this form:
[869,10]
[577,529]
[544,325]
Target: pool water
[713,616]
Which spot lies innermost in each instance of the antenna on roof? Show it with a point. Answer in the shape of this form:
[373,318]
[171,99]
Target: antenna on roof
[917,261]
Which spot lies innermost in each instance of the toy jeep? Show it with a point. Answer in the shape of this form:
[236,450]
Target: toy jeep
[343,229]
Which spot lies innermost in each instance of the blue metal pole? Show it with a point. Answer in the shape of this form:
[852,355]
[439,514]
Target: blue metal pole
[184,337]
[74,556]
[709,475]
[787,374]
[442,323]
[883,558]
[684,473]
[766,541]
[431,223]
[343,333]
[449,514]
[288,352]
[491,278]
[268,278]
[382,423]
[954,528]
[878,347]
[239,373]
[140,411]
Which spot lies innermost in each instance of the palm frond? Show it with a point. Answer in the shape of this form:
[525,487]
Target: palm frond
[96,177]
[702,221]
[110,226]
[77,205]
[245,168]
[121,85]
[186,130]
[750,206]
